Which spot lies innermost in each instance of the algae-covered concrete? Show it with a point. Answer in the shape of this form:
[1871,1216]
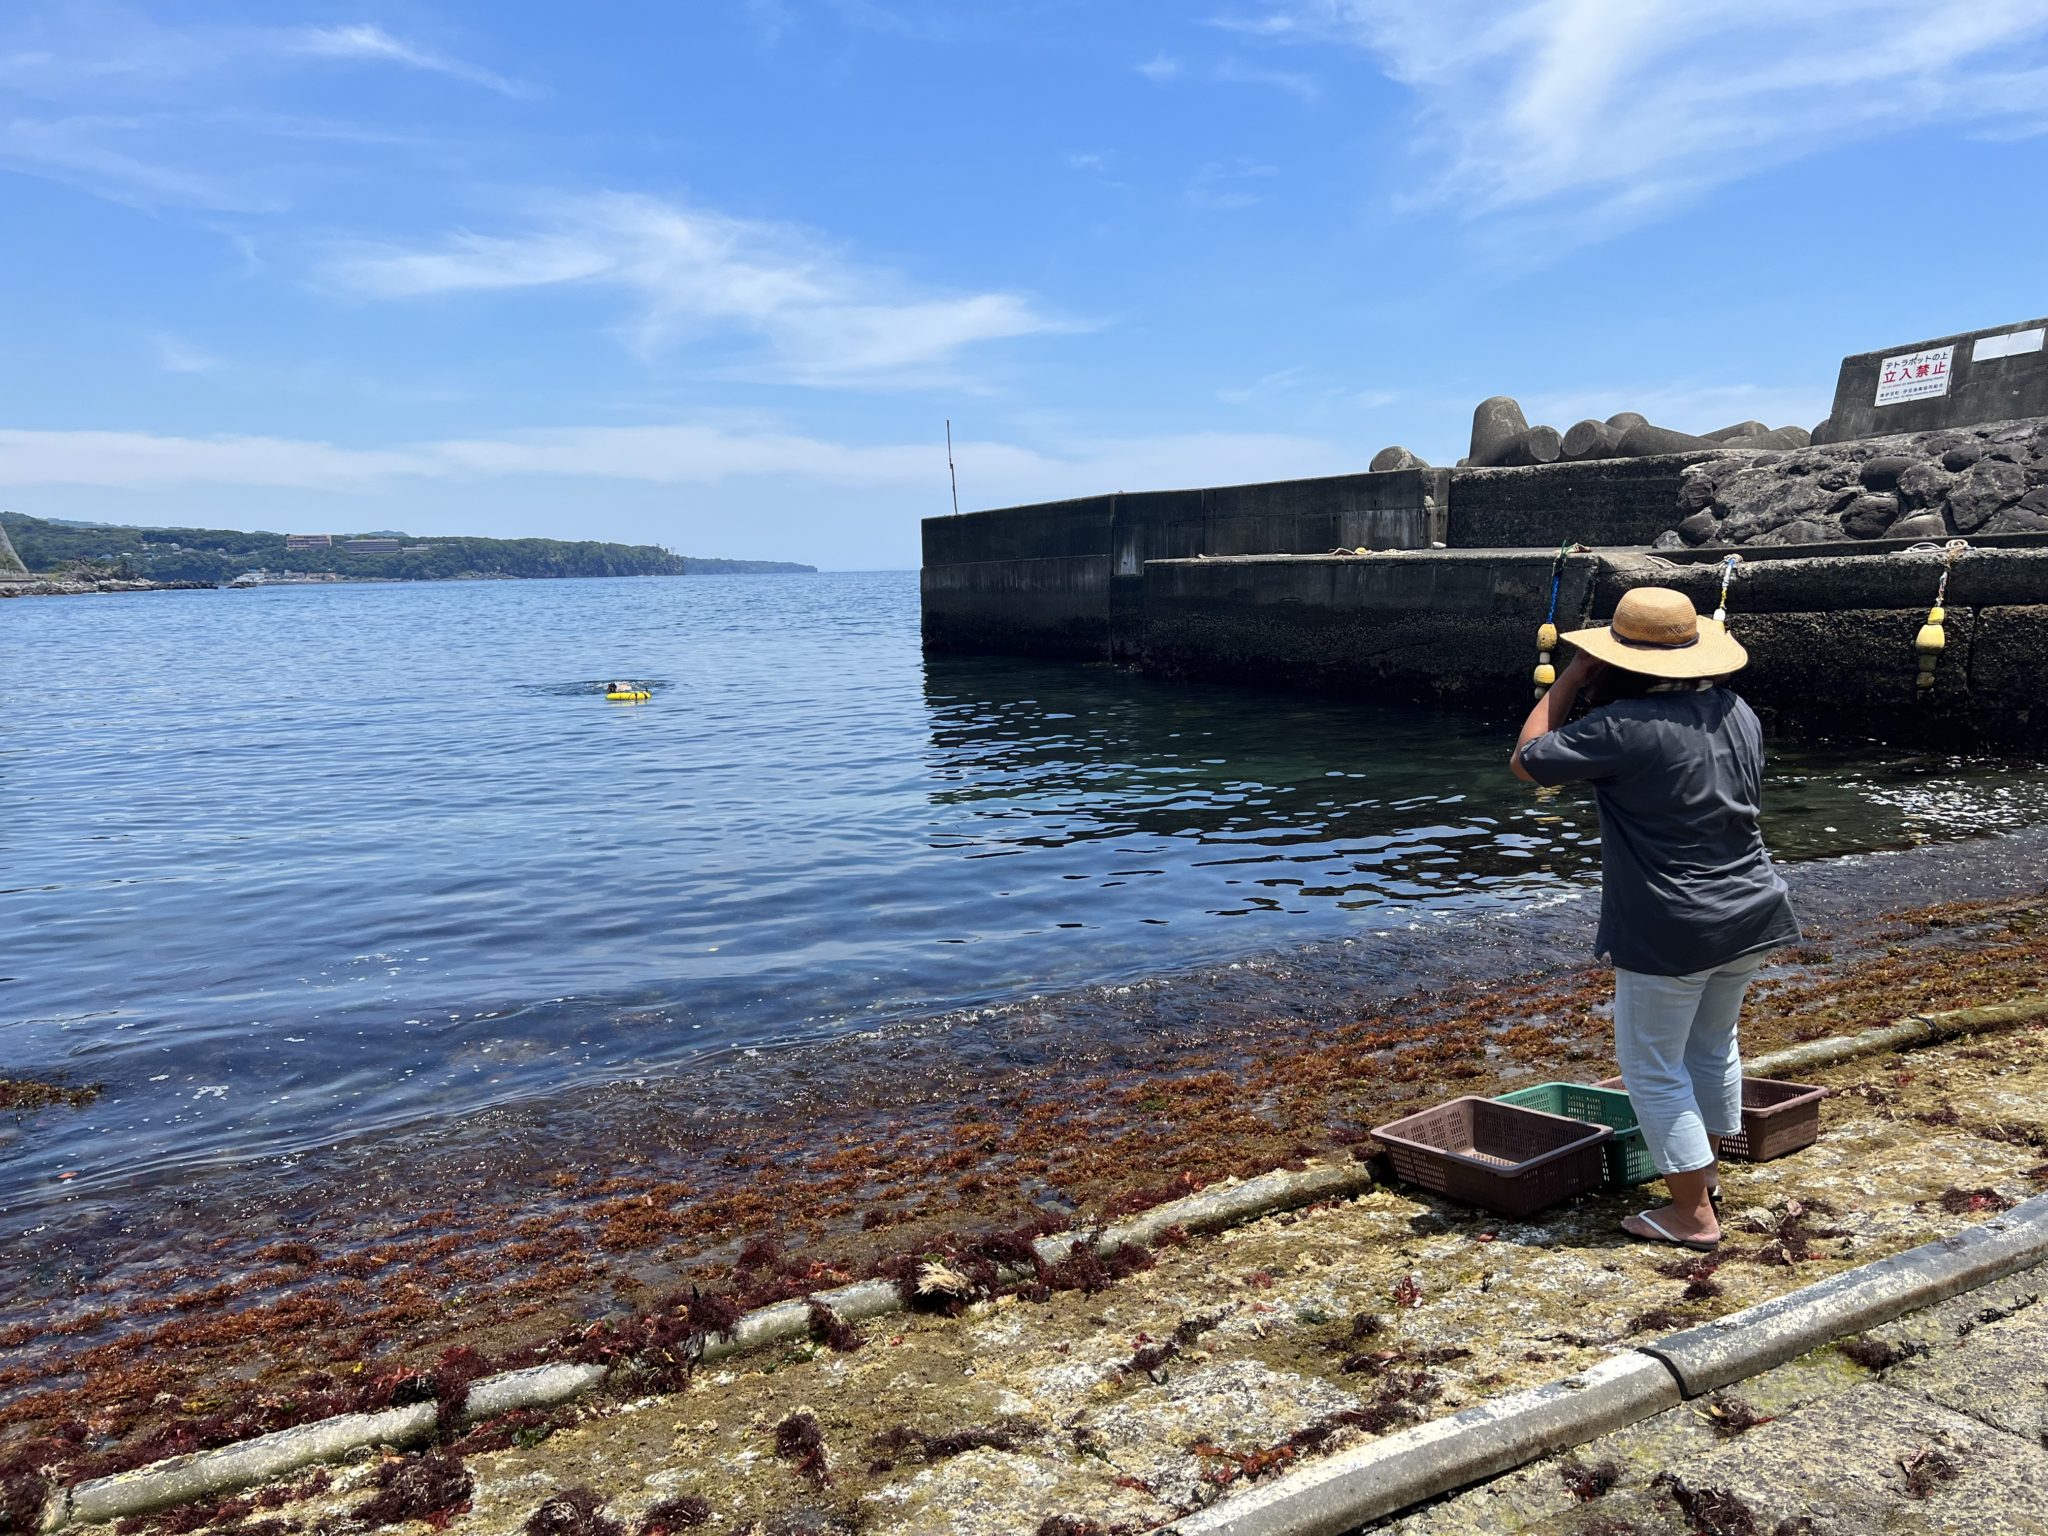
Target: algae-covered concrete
[1831,638]
[1603,502]
[1238,1357]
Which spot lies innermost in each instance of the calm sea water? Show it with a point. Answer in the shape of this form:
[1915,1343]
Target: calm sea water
[288,866]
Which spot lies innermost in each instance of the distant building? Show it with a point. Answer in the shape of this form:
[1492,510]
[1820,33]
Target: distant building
[309,541]
[371,546]
[414,549]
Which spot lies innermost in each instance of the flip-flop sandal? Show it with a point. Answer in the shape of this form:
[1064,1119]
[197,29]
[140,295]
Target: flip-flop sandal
[1696,1244]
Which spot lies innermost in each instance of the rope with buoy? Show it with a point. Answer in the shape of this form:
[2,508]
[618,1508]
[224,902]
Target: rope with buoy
[1932,639]
[1546,632]
[1728,563]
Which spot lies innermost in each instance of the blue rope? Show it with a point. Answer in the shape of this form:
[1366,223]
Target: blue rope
[1556,576]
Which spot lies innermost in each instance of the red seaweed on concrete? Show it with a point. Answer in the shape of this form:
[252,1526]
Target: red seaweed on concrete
[246,1334]
[798,1439]
[573,1512]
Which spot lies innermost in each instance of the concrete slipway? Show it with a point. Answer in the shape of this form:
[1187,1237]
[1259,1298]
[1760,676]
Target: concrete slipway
[1558,1313]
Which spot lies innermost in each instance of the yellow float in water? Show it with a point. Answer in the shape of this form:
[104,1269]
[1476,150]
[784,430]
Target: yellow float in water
[627,693]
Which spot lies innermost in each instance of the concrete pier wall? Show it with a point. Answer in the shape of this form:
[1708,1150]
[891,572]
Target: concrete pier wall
[1830,638]
[1601,502]
[1065,578]
[1999,374]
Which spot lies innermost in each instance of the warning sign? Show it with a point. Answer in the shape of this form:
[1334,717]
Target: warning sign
[1915,376]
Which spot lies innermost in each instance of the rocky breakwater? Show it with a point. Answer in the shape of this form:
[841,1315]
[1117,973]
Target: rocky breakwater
[1956,482]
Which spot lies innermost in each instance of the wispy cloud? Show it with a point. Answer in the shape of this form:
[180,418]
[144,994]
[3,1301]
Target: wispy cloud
[1609,112]
[176,355]
[1234,71]
[1230,70]
[105,155]
[365,42]
[695,273]
[686,454]
[1224,185]
[1280,381]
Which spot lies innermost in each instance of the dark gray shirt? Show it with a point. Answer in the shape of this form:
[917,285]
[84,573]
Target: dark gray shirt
[1685,882]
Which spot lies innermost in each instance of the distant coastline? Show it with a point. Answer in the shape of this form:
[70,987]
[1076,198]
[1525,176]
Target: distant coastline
[55,554]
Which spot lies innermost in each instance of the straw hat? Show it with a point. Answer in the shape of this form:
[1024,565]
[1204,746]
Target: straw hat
[1656,631]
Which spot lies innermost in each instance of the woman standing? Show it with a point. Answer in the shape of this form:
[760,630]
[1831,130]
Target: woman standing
[1689,903]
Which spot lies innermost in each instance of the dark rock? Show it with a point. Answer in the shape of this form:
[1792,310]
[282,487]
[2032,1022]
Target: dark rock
[2037,446]
[1696,488]
[1396,457]
[1932,445]
[1879,474]
[2007,453]
[1668,539]
[2011,432]
[2016,520]
[1698,528]
[1758,500]
[2035,500]
[1801,530]
[1962,456]
[1992,484]
[1496,423]
[1919,525]
[1801,438]
[1870,515]
[1621,421]
[1842,500]
[1925,485]
[1836,477]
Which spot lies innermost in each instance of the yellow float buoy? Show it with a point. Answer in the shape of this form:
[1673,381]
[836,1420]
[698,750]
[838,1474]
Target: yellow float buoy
[1933,638]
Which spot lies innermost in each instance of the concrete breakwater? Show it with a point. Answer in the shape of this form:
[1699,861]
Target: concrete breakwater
[1830,625]
[1424,584]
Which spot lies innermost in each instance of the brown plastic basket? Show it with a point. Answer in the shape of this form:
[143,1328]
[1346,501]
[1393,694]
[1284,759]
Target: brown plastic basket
[1501,1157]
[1777,1118]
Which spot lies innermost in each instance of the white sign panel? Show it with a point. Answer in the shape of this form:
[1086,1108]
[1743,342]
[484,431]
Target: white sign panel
[1915,376]
[2011,344]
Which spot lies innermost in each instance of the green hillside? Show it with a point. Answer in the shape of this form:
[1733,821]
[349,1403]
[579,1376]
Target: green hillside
[217,554]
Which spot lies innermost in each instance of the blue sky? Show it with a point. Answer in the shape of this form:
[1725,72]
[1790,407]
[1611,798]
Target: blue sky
[715,274]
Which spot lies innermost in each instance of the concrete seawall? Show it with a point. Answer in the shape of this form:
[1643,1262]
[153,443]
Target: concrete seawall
[1065,578]
[1263,585]
[1831,638]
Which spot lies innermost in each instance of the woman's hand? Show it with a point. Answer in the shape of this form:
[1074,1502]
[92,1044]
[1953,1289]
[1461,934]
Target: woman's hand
[1581,672]
[1552,709]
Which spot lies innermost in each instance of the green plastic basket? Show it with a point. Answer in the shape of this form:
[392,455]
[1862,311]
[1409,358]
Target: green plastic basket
[1628,1159]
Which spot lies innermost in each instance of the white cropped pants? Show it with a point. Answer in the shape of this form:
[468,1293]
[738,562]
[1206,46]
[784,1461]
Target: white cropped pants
[1675,1039]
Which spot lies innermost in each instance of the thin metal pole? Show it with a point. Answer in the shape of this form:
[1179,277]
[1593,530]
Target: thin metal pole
[951,473]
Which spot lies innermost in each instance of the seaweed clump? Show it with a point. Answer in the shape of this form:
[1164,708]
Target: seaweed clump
[684,1513]
[799,1440]
[1927,1469]
[17,1093]
[1587,1483]
[434,1486]
[1877,1354]
[1971,1202]
[833,1331]
[572,1512]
